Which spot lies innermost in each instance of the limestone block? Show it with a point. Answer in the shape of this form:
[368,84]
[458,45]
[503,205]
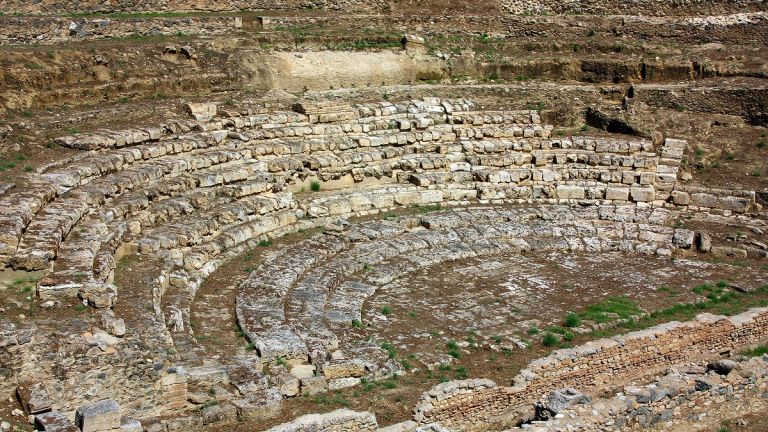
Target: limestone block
[54,422]
[100,416]
[737,204]
[647,178]
[728,252]
[431,196]
[683,238]
[681,198]
[259,406]
[642,194]
[313,385]
[617,193]
[131,426]
[343,369]
[703,200]
[341,383]
[570,192]
[34,398]
[287,384]
[99,295]
[202,112]
[704,242]
[220,413]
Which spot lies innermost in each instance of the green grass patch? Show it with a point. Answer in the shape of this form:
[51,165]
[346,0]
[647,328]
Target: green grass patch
[610,309]
[756,352]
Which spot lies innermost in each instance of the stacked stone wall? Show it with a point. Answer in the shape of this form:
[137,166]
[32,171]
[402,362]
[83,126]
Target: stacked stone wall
[26,30]
[518,7]
[53,7]
[342,420]
[636,7]
[726,389]
[596,365]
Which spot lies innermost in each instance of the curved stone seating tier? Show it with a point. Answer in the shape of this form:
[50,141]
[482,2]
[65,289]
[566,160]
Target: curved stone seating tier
[193,191]
[299,302]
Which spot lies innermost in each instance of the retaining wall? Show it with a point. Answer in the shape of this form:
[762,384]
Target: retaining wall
[595,365]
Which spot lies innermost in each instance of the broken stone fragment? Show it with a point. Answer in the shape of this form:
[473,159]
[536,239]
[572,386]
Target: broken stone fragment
[313,385]
[34,398]
[259,407]
[704,243]
[722,367]
[99,295]
[54,422]
[219,413]
[101,339]
[131,426]
[115,326]
[287,384]
[707,382]
[202,112]
[98,417]
[557,401]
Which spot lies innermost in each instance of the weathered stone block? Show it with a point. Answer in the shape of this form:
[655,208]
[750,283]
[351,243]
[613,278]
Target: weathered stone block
[617,194]
[100,416]
[642,194]
[287,384]
[343,369]
[570,192]
[34,398]
[54,422]
[683,238]
[219,413]
[313,385]
[681,198]
[202,112]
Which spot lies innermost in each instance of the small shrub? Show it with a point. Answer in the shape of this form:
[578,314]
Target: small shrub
[356,323]
[461,373]
[315,186]
[386,310]
[453,349]
[533,330]
[572,320]
[390,349]
[265,243]
[549,339]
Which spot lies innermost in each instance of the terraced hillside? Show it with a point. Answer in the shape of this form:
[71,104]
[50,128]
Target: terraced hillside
[397,216]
